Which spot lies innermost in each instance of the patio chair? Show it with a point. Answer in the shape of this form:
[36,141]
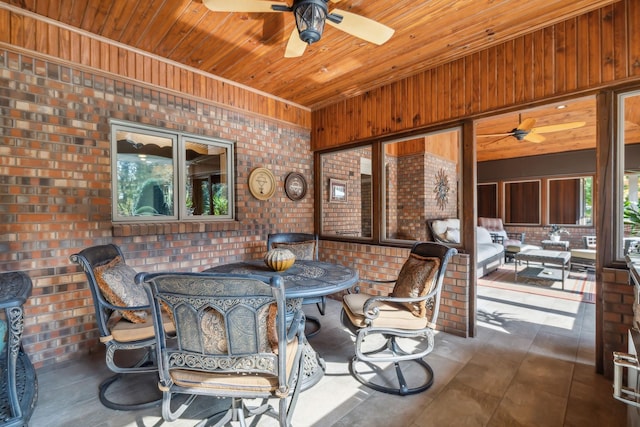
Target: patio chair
[125,324]
[232,342]
[305,247]
[407,316]
[512,241]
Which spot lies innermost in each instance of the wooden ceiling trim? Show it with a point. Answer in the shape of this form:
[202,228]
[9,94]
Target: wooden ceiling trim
[96,52]
[576,64]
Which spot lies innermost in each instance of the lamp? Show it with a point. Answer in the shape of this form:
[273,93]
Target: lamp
[310,16]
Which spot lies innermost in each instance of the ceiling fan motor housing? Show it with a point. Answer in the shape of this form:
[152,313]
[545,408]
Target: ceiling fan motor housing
[310,16]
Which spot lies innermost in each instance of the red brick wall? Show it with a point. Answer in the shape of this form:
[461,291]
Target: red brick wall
[410,182]
[344,217]
[618,299]
[55,190]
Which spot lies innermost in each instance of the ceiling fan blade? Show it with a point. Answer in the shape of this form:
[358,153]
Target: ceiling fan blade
[242,5]
[558,127]
[526,124]
[295,46]
[361,27]
[497,134]
[533,137]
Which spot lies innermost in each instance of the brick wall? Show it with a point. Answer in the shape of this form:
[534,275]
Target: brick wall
[411,180]
[345,217]
[55,189]
[618,299]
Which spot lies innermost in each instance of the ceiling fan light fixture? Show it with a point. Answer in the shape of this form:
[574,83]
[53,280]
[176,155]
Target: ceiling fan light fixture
[310,17]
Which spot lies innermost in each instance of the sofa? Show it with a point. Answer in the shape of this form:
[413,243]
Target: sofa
[489,255]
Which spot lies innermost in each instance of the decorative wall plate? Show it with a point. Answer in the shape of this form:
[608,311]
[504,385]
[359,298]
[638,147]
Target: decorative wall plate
[295,186]
[262,183]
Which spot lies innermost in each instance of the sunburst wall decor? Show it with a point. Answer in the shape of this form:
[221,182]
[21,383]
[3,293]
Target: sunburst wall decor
[441,189]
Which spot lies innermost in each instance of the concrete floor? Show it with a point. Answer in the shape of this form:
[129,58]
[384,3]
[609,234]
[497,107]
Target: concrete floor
[532,364]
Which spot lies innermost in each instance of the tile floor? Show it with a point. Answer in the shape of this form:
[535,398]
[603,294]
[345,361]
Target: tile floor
[530,365]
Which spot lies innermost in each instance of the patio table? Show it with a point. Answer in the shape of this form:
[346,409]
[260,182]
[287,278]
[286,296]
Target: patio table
[545,256]
[305,279]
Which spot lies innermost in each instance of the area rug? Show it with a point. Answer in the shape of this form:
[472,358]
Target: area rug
[579,284]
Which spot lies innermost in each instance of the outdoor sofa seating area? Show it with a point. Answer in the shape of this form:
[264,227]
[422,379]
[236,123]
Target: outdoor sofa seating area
[490,253]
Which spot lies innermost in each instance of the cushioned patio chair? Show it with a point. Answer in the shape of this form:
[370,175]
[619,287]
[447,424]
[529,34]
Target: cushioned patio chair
[407,315]
[232,341]
[123,315]
[584,257]
[305,247]
[512,241]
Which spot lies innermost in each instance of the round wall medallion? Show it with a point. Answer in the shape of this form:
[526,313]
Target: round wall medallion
[441,189]
[262,183]
[295,186]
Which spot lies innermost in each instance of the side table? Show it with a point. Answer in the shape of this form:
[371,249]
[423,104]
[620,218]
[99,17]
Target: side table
[18,382]
[560,245]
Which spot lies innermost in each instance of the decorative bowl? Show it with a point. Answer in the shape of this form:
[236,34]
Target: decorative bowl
[279,259]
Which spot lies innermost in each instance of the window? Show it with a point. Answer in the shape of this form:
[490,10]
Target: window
[522,202]
[488,200]
[571,201]
[629,149]
[420,176]
[389,191]
[347,192]
[164,175]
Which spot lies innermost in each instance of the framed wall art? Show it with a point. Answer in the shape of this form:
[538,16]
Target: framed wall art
[295,186]
[337,190]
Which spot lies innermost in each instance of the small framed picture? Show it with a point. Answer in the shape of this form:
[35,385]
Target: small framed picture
[337,190]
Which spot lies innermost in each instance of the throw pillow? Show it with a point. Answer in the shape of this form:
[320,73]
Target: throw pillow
[453,235]
[116,281]
[302,250]
[416,279]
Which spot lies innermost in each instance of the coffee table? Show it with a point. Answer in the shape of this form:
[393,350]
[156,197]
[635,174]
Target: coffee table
[545,256]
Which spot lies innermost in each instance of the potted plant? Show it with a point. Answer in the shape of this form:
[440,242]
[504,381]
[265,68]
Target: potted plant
[556,231]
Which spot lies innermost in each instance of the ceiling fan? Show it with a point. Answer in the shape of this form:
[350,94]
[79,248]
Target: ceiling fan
[527,132]
[310,16]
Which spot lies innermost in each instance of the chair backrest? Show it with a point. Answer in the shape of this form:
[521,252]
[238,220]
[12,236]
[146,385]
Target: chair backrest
[445,230]
[444,254]
[224,322]
[89,259]
[299,243]
[491,224]
[589,242]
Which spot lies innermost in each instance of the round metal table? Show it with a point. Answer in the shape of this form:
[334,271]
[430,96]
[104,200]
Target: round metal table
[305,279]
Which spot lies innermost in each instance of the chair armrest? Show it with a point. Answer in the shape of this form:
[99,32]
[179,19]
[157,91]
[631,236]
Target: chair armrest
[297,326]
[371,312]
[516,236]
[497,238]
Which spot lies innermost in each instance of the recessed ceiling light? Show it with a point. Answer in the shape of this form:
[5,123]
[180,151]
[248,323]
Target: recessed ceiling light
[560,107]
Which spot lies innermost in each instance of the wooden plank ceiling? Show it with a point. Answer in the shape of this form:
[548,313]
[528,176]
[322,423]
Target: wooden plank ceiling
[248,48]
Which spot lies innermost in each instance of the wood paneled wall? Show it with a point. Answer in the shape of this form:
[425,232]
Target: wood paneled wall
[594,50]
[78,47]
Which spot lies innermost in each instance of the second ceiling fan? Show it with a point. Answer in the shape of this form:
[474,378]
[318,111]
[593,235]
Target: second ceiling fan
[526,130]
[310,16]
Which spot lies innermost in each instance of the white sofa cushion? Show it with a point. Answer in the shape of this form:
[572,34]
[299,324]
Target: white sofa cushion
[483,235]
[447,230]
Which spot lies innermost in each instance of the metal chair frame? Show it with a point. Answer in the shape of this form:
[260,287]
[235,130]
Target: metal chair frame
[321,301]
[391,351]
[188,297]
[88,259]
